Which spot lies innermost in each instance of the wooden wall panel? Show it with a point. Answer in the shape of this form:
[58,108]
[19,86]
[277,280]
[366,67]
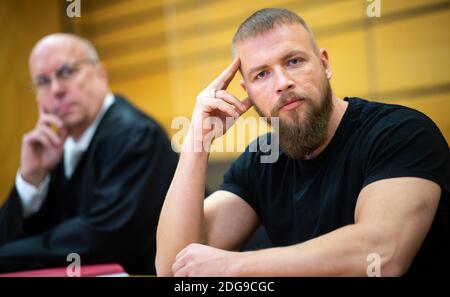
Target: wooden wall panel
[19,31]
[162,53]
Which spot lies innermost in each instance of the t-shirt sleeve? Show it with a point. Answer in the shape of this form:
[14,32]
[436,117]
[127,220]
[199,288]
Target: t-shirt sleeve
[406,144]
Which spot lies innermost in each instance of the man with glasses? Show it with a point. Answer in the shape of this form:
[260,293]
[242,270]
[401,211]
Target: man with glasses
[93,172]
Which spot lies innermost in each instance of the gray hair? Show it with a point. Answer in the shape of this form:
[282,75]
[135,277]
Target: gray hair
[91,52]
[89,49]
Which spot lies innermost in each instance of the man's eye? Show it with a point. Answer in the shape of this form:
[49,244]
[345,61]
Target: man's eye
[261,75]
[65,72]
[42,81]
[294,61]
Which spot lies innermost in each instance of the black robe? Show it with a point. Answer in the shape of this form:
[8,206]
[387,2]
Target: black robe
[107,211]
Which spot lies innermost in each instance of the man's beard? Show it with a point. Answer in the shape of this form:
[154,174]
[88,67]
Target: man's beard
[300,137]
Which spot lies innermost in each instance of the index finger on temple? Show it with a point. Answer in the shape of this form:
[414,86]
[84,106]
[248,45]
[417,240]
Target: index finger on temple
[224,79]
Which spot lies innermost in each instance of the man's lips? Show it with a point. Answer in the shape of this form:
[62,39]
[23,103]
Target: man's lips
[64,109]
[291,105]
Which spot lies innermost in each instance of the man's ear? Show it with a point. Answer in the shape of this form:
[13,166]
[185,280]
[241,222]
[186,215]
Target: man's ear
[323,55]
[242,82]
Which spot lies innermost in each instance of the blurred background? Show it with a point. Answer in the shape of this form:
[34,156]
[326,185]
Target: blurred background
[162,53]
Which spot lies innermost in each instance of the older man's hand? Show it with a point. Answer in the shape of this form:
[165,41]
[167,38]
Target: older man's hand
[42,148]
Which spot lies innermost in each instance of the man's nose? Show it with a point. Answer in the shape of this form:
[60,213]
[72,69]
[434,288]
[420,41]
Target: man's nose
[284,82]
[57,88]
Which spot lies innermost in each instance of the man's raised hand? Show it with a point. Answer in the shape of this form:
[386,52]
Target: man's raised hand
[216,109]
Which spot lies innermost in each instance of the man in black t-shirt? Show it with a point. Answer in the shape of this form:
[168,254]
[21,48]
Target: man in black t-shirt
[358,188]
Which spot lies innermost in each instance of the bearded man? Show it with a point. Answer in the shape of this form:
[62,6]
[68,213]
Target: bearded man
[355,181]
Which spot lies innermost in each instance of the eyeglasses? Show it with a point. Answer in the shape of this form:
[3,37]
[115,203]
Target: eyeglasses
[64,73]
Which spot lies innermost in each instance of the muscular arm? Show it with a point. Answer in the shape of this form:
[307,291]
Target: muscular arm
[185,218]
[223,220]
[392,218]
[181,218]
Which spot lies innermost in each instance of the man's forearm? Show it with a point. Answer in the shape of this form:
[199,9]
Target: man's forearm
[181,219]
[342,252]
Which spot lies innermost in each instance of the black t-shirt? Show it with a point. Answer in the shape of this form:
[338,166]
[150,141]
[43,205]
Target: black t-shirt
[298,200]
